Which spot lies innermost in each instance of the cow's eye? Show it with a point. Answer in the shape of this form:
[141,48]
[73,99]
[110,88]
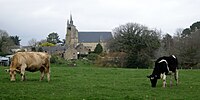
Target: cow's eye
[152,78]
[12,72]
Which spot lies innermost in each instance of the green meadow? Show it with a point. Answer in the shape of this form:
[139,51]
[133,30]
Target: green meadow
[87,82]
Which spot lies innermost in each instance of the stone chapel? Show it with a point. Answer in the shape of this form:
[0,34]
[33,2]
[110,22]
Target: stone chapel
[83,42]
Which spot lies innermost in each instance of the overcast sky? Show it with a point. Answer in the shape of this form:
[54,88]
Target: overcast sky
[35,19]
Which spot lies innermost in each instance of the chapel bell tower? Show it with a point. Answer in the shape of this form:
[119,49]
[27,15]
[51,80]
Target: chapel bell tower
[71,40]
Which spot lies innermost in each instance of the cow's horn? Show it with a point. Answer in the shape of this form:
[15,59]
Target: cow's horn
[17,70]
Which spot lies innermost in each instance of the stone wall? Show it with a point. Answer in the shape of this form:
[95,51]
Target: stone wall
[70,53]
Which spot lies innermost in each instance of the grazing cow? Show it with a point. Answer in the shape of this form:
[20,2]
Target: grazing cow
[30,61]
[164,66]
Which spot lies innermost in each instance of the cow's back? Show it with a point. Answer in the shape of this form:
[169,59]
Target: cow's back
[172,62]
[32,60]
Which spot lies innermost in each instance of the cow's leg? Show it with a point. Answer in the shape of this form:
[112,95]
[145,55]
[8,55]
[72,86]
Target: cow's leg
[171,74]
[164,80]
[48,73]
[176,76]
[171,79]
[23,67]
[42,70]
[42,75]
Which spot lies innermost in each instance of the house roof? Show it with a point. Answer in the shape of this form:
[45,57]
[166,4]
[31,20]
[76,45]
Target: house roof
[88,37]
[54,48]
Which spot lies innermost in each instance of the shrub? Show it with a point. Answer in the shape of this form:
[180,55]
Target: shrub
[47,44]
[57,59]
[114,59]
[92,56]
[40,49]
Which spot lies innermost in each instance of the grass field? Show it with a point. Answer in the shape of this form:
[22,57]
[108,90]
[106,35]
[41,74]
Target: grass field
[90,83]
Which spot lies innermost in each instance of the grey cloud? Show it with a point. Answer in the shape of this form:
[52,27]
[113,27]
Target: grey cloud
[37,18]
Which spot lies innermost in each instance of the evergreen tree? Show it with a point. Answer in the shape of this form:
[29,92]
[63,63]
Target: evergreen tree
[16,40]
[53,38]
[5,42]
[98,49]
[40,49]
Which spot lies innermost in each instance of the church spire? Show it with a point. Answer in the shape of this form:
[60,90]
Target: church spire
[71,21]
[67,22]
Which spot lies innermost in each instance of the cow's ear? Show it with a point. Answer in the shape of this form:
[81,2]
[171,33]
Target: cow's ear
[7,70]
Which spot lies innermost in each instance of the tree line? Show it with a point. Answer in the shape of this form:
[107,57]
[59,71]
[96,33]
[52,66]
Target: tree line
[186,46]
[134,45]
[143,45]
[51,40]
[7,42]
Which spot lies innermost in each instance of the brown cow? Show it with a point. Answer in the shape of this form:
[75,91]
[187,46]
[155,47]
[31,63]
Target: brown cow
[30,61]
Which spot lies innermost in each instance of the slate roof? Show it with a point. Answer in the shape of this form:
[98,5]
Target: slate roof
[54,48]
[89,37]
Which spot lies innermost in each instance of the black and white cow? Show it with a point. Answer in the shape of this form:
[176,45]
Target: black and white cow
[166,65]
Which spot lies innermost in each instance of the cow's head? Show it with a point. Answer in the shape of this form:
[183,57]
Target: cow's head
[12,73]
[153,79]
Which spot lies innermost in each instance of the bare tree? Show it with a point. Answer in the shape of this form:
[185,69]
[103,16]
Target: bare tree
[178,32]
[137,41]
[32,42]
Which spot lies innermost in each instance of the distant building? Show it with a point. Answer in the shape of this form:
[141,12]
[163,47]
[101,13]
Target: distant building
[91,39]
[54,50]
[83,42]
